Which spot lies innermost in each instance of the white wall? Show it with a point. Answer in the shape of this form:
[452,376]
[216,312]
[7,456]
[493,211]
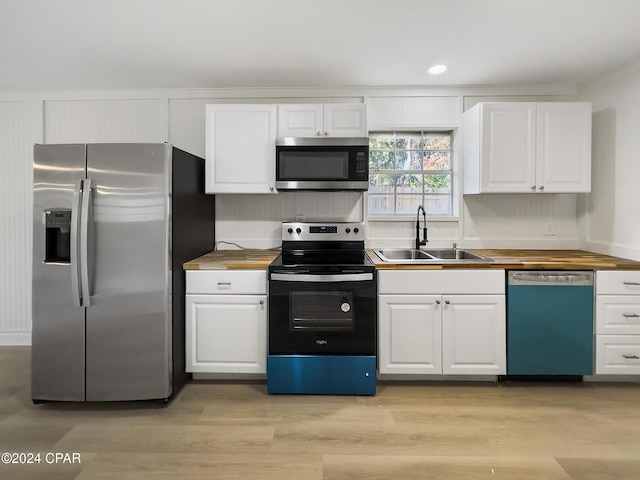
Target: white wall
[178,117]
[20,128]
[610,214]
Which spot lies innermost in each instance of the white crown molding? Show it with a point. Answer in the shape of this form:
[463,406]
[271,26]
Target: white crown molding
[285,92]
[624,70]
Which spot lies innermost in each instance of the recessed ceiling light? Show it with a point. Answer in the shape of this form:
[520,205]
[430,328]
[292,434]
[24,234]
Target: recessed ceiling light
[436,69]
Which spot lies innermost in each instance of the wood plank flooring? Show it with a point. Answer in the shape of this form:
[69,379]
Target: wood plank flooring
[420,430]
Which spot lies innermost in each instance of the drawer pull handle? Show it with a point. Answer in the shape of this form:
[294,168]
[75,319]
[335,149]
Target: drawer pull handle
[630,315]
[631,357]
[631,283]
[224,285]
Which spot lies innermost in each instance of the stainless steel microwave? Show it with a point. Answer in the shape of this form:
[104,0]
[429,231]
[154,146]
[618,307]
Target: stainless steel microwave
[322,163]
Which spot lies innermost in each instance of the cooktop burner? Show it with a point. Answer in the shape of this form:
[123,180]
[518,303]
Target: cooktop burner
[328,246]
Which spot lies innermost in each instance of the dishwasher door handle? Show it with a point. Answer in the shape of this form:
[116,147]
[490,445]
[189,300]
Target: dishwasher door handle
[555,278]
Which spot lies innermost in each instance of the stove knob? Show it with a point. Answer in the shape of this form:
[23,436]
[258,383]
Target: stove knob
[356,230]
[290,230]
[298,230]
[348,230]
[345,307]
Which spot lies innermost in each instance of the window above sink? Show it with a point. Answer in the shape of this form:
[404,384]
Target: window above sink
[409,168]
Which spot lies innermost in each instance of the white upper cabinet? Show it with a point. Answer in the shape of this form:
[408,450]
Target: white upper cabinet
[300,120]
[318,120]
[240,148]
[524,147]
[563,147]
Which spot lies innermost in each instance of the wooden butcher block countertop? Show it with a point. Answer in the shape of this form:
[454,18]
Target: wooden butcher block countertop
[233,259]
[506,259]
[526,260]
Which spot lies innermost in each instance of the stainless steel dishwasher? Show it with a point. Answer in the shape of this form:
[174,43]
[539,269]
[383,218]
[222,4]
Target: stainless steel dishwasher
[550,323]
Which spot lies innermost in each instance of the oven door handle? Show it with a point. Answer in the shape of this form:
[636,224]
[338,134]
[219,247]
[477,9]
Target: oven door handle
[347,277]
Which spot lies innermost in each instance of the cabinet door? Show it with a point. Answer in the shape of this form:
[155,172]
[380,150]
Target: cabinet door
[563,150]
[345,120]
[240,149]
[474,334]
[409,334]
[300,120]
[226,333]
[508,147]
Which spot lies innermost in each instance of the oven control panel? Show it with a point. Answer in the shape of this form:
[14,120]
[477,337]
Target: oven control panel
[332,231]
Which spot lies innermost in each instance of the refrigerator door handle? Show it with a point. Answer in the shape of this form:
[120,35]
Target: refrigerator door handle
[73,244]
[84,242]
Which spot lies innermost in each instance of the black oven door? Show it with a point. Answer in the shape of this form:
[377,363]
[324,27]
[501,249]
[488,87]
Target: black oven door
[322,314]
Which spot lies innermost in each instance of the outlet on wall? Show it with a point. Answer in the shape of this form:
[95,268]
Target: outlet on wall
[471,229]
[549,230]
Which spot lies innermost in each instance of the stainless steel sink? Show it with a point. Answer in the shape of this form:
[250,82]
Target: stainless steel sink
[437,255]
[402,254]
[456,254]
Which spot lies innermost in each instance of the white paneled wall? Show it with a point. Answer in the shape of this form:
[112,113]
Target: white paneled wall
[254,220]
[521,221]
[611,211]
[414,112]
[100,121]
[20,128]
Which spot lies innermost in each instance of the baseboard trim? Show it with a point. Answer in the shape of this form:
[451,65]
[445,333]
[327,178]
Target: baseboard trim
[15,339]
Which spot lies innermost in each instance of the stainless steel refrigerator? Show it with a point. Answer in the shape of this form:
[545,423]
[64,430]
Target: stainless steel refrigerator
[112,225]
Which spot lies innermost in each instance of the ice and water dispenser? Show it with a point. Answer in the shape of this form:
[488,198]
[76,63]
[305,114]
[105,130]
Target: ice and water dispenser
[57,236]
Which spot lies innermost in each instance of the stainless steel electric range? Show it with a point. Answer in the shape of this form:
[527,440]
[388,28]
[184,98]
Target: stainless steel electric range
[322,312]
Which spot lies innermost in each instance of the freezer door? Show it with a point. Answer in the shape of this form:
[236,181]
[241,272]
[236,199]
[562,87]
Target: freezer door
[57,353]
[128,320]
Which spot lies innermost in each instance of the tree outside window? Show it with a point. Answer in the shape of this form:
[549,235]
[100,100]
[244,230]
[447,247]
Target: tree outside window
[407,169]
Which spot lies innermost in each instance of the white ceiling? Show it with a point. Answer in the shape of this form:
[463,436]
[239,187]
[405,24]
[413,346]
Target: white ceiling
[104,44]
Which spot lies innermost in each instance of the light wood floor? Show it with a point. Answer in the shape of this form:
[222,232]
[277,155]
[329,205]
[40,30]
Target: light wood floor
[234,430]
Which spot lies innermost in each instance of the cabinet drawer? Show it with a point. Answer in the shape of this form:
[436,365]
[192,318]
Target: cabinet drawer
[227,282]
[618,354]
[618,282]
[618,314]
[437,282]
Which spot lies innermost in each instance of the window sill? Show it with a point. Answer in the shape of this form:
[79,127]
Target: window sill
[411,218]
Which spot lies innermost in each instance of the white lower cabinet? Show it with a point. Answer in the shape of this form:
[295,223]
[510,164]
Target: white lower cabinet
[460,329]
[409,334]
[226,315]
[618,322]
[474,334]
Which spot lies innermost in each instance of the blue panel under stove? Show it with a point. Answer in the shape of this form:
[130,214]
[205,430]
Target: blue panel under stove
[321,374]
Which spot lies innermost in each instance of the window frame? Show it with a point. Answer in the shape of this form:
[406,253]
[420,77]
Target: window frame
[455,175]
